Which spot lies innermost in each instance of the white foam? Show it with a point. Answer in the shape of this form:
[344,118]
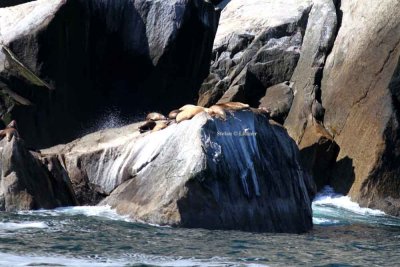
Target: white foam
[90,211]
[7,259]
[329,198]
[323,221]
[93,211]
[21,225]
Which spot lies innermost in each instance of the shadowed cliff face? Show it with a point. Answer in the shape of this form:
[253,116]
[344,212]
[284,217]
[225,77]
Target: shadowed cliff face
[243,173]
[107,55]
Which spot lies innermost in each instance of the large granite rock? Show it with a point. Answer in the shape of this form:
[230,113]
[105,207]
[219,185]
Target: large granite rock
[257,46]
[26,182]
[317,44]
[203,172]
[360,93]
[345,86]
[67,63]
[97,163]
[277,100]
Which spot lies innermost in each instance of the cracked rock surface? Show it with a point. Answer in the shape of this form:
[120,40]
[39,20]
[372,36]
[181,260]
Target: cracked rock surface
[243,173]
[360,93]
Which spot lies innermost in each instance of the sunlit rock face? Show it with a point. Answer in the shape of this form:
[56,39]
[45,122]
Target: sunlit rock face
[257,45]
[28,181]
[65,63]
[360,91]
[242,173]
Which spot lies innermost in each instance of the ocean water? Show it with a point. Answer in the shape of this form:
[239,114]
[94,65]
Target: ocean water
[344,235]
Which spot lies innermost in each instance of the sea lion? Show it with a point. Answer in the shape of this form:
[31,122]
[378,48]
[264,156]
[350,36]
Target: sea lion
[317,110]
[233,105]
[172,115]
[154,116]
[217,111]
[10,131]
[189,113]
[147,126]
[160,125]
[188,106]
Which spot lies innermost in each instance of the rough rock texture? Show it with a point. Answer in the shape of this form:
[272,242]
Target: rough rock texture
[97,163]
[318,41]
[360,93]
[27,183]
[68,63]
[257,45]
[198,173]
[278,100]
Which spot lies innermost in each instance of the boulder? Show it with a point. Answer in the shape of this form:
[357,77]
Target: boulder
[278,100]
[28,183]
[257,46]
[204,172]
[360,93]
[123,56]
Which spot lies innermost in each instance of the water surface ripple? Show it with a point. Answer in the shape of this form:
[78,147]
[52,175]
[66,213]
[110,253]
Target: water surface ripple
[344,235]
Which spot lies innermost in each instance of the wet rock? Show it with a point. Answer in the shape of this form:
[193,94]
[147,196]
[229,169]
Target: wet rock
[116,55]
[202,172]
[252,182]
[360,94]
[254,50]
[278,100]
[27,183]
[97,163]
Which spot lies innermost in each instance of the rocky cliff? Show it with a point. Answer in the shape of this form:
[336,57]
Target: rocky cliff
[242,173]
[330,74]
[66,64]
[360,92]
[271,54]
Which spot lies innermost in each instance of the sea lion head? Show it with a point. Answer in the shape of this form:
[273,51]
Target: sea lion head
[172,115]
[154,116]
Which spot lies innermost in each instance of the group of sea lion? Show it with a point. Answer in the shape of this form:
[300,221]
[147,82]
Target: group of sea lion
[10,131]
[156,121]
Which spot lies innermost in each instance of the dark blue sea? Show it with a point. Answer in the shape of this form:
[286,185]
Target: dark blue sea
[344,235]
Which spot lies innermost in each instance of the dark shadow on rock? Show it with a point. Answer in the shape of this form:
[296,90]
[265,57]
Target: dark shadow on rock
[319,159]
[108,55]
[8,3]
[342,176]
